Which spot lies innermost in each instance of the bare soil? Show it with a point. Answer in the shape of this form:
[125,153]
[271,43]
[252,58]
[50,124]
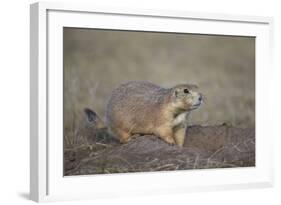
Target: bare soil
[205,147]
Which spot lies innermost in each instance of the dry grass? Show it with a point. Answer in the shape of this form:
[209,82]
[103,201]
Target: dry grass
[96,61]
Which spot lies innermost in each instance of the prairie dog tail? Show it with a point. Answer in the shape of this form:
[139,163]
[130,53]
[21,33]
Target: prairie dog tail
[93,120]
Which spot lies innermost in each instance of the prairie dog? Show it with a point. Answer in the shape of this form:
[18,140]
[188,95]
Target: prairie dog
[141,107]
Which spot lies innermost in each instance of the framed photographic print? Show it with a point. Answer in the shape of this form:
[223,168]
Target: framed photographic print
[130,101]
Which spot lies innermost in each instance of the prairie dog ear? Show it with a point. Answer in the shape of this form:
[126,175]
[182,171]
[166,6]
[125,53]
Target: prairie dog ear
[90,114]
[176,92]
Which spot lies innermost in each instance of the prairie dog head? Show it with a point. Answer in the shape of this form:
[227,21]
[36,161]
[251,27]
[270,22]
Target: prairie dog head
[185,97]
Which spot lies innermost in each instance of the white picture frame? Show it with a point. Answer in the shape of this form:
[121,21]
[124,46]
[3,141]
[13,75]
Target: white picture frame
[47,182]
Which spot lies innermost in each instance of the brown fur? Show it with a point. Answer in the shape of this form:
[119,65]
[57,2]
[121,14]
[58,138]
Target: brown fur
[140,107]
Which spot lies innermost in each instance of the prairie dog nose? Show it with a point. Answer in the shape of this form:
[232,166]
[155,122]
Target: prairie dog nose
[200,98]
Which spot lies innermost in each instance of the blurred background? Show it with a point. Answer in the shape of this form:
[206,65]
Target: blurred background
[97,61]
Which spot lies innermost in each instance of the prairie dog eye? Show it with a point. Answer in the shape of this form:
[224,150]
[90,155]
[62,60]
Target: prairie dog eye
[186,90]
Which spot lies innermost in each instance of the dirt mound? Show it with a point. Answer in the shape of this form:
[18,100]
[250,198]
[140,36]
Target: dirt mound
[205,147]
